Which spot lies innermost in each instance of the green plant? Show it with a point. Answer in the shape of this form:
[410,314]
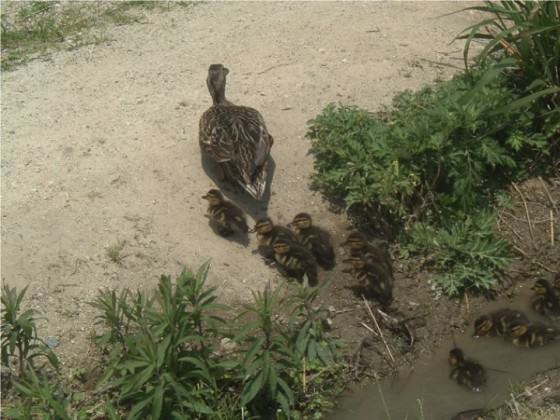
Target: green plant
[166,365]
[307,325]
[41,399]
[435,156]
[19,332]
[114,252]
[527,31]
[269,358]
[467,253]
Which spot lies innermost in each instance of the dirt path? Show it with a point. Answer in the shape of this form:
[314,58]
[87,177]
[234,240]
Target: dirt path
[99,144]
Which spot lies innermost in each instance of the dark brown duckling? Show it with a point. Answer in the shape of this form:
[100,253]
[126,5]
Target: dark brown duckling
[268,232]
[317,240]
[295,259]
[228,217]
[545,301]
[374,276]
[532,335]
[497,323]
[466,372]
[375,254]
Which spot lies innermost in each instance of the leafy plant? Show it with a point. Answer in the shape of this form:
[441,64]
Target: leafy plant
[42,399]
[467,253]
[167,367]
[269,358]
[19,332]
[526,31]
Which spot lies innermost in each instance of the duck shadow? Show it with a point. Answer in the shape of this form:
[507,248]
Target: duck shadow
[240,238]
[233,192]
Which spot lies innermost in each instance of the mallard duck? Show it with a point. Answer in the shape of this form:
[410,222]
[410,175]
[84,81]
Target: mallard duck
[374,276]
[523,334]
[497,323]
[466,372]
[376,254]
[545,301]
[235,137]
[295,259]
[267,232]
[228,217]
[317,240]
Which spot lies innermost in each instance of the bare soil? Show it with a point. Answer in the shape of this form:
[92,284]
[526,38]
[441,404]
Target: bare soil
[100,145]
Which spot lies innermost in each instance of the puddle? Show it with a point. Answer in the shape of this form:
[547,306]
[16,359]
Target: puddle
[427,393]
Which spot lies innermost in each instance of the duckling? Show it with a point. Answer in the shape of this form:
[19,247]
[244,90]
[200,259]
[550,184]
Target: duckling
[359,246]
[235,137]
[375,276]
[497,323]
[228,217]
[466,372]
[267,232]
[545,301]
[317,240]
[295,259]
[532,335]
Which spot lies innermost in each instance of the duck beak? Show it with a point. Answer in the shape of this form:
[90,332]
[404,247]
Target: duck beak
[205,197]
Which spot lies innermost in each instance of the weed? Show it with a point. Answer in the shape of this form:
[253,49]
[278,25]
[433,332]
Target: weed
[19,333]
[163,361]
[114,252]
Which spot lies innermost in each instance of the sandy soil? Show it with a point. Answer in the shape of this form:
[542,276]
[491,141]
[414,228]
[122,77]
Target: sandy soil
[100,144]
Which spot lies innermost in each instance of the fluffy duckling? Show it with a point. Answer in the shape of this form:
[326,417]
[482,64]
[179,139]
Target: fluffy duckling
[317,240]
[532,335]
[268,232]
[228,217]
[546,301]
[466,372]
[375,276]
[497,323]
[359,246]
[295,259]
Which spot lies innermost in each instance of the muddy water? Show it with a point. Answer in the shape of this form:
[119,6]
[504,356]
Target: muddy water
[427,390]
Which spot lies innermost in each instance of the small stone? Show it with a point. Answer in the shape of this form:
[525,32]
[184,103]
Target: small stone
[52,341]
[331,310]
[227,345]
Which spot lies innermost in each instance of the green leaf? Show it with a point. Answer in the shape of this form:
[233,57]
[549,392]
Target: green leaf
[157,401]
[252,388]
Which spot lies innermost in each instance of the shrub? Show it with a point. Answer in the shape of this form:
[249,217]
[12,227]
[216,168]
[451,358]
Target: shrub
[435,156]
[164,357]
[19,333]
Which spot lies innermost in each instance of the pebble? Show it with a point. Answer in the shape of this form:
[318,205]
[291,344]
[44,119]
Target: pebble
[53,341]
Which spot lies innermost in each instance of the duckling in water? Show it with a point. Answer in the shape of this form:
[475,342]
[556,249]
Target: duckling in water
[375,254]
[532,335]
[375,276]
[546,301]
[295,259]
[466,372]
[497,323]
[228,217]
[268,232]
[315,239]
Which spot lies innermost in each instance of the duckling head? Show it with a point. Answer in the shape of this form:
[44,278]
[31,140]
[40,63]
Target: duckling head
[281,246]
[214,197]
[302,221]
[518,329]
[541,287]
[356,262]
[263,226]
[216,82]
[456,356]
[482,326]
[355,241]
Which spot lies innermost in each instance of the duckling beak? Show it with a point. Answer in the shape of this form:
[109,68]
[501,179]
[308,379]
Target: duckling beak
[205,196]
